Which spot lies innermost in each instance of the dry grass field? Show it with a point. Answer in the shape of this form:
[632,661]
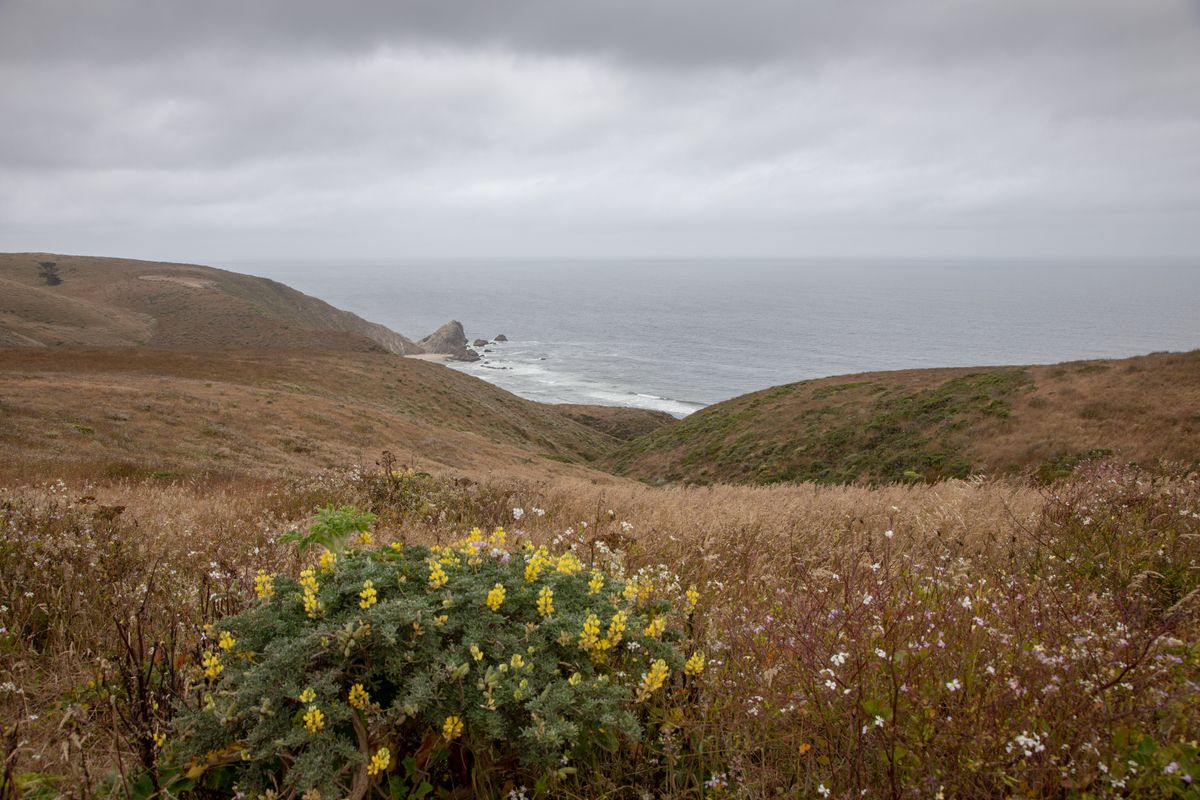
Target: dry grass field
[967,639]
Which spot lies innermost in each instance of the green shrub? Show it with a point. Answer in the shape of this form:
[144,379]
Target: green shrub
[456,666]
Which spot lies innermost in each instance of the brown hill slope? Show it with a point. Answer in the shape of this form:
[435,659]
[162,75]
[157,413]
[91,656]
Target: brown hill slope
[137,411]
[617,421]
[111,302]
[934,423]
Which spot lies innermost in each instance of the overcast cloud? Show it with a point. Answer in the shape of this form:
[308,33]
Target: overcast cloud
[221,130]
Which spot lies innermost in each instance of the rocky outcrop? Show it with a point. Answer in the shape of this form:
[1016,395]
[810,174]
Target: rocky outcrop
[481,343]
[449,340]
[501,338]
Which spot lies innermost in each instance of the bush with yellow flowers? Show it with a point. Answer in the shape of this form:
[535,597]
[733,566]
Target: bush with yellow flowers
[458,665]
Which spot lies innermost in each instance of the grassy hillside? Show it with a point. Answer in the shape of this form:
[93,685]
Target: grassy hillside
[931,424]
[110,302]
[148,411]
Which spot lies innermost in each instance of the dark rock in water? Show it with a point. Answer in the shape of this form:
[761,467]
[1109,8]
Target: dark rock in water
[487,349]
[480,342]
[449,340]
[501,338]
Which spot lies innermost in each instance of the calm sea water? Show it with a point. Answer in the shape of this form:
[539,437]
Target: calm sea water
[678,335]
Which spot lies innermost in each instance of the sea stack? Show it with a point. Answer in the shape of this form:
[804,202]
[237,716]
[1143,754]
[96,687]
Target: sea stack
[500,338]
[449,340]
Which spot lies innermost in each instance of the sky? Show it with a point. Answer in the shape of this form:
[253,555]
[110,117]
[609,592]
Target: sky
[281,129]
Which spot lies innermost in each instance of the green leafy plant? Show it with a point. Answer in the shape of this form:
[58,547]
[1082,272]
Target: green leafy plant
[332,529]
[400,667]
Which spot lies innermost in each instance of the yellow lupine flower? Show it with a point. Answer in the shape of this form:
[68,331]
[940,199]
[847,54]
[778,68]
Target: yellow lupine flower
[591,633]
[568,564]
[693,596]
[653,680]
[365,538]
[596,583]
[380,761]
[476,653]
[630,592]
[226,642]
[498,538]
[307,695]
[575,679]
[452,728]
[616,628]
[312,606]
[160,739]
[517,662]
[359,698]
[495,597]
[437,575]
[308,579]
[695,664]
[264,585]
[656,627]
[314,719]
[545,603]
[327,561]
[368,595]
[537,562]
[212,665]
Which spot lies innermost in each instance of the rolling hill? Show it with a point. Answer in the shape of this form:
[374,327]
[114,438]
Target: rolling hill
[138,412]
[933,423]
[113,302]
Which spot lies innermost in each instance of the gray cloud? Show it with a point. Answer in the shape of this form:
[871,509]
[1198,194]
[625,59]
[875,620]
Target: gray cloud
[243,129]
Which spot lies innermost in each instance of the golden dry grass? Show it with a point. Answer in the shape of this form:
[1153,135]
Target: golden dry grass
[783,572]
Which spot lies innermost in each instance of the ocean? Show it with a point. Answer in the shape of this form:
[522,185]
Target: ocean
[676,335]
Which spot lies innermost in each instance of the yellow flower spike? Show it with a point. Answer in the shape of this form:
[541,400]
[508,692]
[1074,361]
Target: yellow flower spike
[368,594]
[212,665]
[630,592]
[308,695]
[656,627]
[314,720]
[226,642]
[695,664]
[498,538]
[693,597]
[160,739]
[327,561]
[495,597]
[590,638]
[359,698]
[312,605]
[365,538]
[575,679]
[380,761]
[476,653]
[653,680]
[596,583]
[568,564]
[437,575]
[616,629]
[308,579]
[545,603]
[517,662]
[396,546]
[452,728]
[264,585]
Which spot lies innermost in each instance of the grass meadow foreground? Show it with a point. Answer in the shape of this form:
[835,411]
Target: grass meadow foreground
[429,636]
